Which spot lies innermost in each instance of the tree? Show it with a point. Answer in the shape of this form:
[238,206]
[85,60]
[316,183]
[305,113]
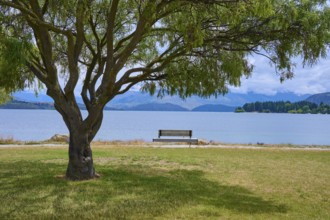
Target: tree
[306,109]
[180,47]
[239,110]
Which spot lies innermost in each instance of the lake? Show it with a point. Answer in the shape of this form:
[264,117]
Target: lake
[245,128]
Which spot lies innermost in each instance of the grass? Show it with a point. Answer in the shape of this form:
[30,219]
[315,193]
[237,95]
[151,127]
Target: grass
[156,183]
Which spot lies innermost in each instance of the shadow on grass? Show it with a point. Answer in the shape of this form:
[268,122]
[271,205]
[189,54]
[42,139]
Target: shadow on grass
[180,188]
[123,192]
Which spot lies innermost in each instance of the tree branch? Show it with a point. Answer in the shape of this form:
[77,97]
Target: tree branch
[111,18]
[45,7]
[18,7]
[87,82]
[74,48]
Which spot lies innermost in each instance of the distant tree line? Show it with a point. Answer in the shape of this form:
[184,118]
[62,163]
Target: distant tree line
[302,107]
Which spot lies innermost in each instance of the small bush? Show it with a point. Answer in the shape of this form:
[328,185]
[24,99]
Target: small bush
[8,140]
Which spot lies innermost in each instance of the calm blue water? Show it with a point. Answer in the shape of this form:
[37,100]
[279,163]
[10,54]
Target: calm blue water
[251,128]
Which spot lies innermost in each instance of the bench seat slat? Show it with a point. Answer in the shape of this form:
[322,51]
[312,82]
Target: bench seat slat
[183,133]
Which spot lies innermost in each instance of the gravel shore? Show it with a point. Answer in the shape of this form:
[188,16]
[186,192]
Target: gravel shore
[174,145]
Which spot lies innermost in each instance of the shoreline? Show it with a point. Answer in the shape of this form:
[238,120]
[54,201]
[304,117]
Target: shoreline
[143,144]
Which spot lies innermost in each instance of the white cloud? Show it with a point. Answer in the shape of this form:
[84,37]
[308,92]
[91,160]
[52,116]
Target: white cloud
[307,80]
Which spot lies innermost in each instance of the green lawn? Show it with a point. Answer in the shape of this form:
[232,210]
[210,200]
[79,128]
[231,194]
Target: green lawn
[155,183]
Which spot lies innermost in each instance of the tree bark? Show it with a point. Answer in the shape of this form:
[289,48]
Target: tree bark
[80,166]
[82,132]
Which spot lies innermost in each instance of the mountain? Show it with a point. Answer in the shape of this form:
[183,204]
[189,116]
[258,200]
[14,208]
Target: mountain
[31,97]
[27,105]
[136,98]
[16,104]
[28,96]
[133,98]
[214,108]
[157,107]
[318,98]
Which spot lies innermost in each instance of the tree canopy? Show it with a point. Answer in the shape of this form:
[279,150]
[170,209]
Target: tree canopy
[119,43]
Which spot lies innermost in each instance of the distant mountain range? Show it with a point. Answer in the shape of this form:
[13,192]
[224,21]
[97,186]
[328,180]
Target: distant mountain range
[318,98]
[214,108]
[157,107]
[15,104]
[138,101]
[134,98]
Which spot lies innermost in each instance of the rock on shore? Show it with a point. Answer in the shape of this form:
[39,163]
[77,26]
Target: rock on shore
[60,138]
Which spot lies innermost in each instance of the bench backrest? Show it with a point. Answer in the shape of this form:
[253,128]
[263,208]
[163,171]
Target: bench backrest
[182,133]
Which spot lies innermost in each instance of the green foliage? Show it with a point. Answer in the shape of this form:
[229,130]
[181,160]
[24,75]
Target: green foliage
[174,47]
[218,49]
[4,96]
[14,74]
[239,110]
[302,107]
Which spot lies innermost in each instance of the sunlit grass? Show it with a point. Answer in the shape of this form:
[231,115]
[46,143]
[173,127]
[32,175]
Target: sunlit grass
[156,183]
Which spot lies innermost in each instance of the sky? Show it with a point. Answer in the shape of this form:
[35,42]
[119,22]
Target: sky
[307,80]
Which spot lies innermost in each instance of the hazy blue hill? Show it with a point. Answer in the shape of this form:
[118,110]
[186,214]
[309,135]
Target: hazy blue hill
[157,107]
[135,98]
[26,105]
[282,96]
[318,98]
[27,96]
[16,104]
[214,108]
[31,97]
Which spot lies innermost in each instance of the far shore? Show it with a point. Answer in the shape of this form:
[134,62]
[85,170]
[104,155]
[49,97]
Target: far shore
[141,143]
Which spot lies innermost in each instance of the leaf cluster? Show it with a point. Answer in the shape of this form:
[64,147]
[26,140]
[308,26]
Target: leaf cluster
[14,74]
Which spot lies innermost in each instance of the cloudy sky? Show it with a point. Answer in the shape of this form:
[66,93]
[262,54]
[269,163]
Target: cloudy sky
[307,80]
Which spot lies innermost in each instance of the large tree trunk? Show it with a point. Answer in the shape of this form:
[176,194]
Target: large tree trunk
[80,166]
[82,132]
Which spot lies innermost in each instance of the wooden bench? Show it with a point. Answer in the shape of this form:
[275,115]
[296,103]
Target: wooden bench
[186,136]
